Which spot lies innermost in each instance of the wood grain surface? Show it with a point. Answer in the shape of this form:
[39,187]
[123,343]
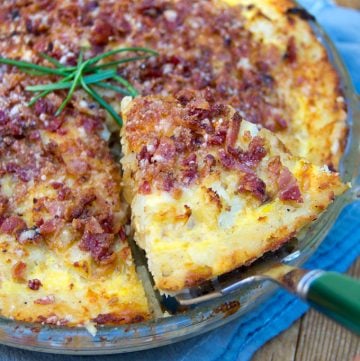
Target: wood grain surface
[349,3]
[314,338]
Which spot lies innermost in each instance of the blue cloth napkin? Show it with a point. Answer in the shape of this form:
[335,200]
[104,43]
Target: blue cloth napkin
[239,339]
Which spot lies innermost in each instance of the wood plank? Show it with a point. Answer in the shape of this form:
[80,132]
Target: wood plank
[349,3]
[280,348]
[313,338]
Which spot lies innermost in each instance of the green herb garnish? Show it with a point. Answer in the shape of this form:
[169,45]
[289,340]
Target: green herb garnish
[87,74]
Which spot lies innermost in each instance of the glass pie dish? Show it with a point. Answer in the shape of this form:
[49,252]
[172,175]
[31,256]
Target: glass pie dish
[206,316]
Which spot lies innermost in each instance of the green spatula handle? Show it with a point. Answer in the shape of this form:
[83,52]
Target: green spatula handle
[335,295]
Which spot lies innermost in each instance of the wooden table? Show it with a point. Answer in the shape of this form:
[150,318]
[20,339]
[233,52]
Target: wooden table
[313,338]
[350,3]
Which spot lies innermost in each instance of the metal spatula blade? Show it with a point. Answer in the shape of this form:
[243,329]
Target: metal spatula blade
[334,294]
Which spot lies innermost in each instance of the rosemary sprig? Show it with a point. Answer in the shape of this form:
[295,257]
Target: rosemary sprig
[85,74]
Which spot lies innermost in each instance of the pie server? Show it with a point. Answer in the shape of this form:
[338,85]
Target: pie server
[334,294]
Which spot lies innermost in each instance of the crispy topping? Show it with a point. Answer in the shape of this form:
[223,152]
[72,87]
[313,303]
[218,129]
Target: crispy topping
[186,139]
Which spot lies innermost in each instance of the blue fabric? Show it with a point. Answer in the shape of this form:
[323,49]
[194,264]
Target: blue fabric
[239,339]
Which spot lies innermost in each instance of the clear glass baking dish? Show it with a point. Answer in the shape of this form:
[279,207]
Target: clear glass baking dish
[205,317]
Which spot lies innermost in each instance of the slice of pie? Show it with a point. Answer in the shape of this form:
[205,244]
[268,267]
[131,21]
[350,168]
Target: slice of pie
[210,191]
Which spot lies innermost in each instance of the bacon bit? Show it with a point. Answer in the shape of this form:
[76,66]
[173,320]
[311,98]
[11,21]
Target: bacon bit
[233,130]
[44,106]
[93,226]
[217,139]
[35,26]
[57,185]
[122,26]
[184,141]
[80,207]
[64,194]
[168,182]
[48,227]
[151,8]
[291,52]
[287,183]
[165,151]
[77,166]
[289,188]
[184,96]
[24,173]
[210,160]
[101,32]
[189,161]
[255,153]
[145,188]
[218,110]
[34,284]
[68,14]
[13,225]
[34,135]
[91,125]
[207,125]
[231,161]
[3,118]
[190,169]
[18,271]
[108,224]
[98,244]
[46,300]
[55,208]
[54,123]
[144,154]
[253,184]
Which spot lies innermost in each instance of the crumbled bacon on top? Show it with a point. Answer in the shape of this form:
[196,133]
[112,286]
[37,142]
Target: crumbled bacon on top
[211,49]
[174,142]
[179,141]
